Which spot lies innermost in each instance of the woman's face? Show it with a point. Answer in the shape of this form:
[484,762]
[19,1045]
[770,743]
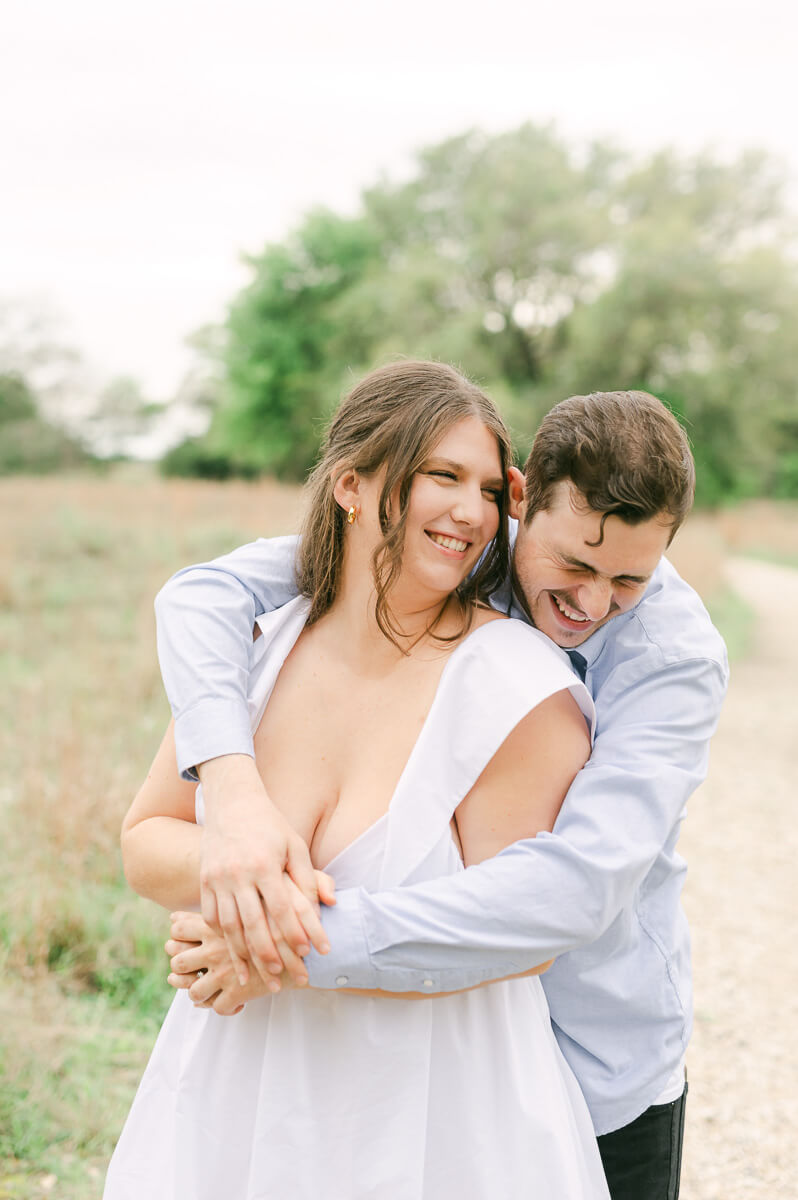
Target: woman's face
[453,508]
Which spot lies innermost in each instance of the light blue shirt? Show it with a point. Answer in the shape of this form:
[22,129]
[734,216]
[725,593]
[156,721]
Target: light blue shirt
[601,893]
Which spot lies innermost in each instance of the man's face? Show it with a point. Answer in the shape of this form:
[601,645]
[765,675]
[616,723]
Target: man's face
[571,587]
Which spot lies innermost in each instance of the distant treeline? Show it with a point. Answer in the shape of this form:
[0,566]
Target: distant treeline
[542,271]
[28,443]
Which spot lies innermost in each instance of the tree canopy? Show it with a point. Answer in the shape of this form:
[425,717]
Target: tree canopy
[542,270]
[28,443]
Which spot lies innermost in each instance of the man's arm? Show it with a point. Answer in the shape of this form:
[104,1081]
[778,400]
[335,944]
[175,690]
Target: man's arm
[199,964]
[518,793]
[205,617]
[545,896]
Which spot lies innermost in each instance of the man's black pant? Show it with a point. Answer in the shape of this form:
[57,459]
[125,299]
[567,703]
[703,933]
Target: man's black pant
[643,1160]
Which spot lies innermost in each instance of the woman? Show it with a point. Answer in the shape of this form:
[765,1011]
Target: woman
[398,722]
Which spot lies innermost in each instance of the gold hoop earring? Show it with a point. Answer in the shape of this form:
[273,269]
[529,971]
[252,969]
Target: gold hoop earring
[351,516]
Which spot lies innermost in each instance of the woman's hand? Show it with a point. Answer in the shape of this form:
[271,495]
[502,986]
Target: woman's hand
[201,962]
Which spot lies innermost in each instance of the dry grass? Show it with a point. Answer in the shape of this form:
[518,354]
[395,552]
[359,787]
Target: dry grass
[81,714]
[82,706]
[758,529]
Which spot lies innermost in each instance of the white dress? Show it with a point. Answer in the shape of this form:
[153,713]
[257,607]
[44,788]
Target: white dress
[312,1095]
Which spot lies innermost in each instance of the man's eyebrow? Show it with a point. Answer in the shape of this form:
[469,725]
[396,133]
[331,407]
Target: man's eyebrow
[583,566]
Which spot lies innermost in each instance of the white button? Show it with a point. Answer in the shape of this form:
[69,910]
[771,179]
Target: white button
[428,983]
[342,980]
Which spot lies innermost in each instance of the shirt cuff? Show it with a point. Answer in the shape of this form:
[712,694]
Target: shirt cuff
[348,963]
[208,730]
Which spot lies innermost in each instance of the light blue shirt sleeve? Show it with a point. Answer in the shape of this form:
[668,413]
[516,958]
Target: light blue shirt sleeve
[559,891]
[205,616]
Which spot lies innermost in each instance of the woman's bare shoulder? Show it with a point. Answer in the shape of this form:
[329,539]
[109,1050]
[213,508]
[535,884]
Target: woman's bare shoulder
[483,614]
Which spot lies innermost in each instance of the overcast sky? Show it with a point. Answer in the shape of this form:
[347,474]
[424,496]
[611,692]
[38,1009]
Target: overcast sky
[145,145]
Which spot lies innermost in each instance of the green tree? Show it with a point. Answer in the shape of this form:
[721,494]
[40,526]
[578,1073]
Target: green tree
[476,261]
[16,400]
[701,311]
[120,416]
[28,443]
[283,377]
[541,270]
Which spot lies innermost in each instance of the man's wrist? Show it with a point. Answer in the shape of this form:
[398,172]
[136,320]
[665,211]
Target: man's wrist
[219,770]
[348,963]
[231,783]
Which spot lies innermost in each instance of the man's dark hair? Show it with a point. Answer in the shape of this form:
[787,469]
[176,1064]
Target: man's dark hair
[625,452]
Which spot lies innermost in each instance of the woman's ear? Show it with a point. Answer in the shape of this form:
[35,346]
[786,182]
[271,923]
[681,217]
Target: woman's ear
[346,488]
[517,491]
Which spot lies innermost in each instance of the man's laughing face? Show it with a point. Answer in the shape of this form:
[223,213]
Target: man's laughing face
[573,578]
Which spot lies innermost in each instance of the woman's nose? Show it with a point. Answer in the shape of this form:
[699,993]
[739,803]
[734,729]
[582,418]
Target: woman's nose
[468,506]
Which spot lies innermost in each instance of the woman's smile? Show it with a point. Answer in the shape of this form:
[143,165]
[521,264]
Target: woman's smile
[448,542]
[454,506]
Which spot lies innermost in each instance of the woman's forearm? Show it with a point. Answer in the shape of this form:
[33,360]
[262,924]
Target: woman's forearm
[161,858]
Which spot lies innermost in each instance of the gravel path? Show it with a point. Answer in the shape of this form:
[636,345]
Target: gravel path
[741,844]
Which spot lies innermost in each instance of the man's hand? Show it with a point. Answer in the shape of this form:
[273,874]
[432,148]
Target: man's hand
[250,858]
[200,963]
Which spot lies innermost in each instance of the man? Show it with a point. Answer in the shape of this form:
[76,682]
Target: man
[608,482]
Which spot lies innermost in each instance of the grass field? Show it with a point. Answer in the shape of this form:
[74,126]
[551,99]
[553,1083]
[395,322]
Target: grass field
[81,714]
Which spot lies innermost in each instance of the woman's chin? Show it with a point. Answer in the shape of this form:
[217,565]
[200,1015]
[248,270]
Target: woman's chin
[428,590]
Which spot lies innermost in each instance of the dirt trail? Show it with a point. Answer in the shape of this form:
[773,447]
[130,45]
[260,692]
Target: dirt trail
[741,844]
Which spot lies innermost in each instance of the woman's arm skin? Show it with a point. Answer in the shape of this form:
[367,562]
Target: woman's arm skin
[160,838]
[521,790]
[161,854]
[550,745]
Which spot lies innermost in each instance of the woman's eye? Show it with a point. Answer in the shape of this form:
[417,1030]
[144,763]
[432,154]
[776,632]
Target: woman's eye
[493,494]
[442,474]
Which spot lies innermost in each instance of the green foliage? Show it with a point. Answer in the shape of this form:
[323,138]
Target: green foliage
[281,377]
[68,1077]
[735,619]
[16,400]
[542,273]
[29,444]
[121,414]
[196,459]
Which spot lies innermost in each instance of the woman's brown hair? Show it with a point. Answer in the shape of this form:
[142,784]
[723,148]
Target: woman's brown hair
[392,420]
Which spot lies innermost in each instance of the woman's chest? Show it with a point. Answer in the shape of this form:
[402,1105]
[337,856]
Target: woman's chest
[332,746]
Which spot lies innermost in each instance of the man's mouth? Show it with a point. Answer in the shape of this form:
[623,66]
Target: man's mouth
[574,618]
[446,542]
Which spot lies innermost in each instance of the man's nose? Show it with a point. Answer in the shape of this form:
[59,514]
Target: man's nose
[595,598]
